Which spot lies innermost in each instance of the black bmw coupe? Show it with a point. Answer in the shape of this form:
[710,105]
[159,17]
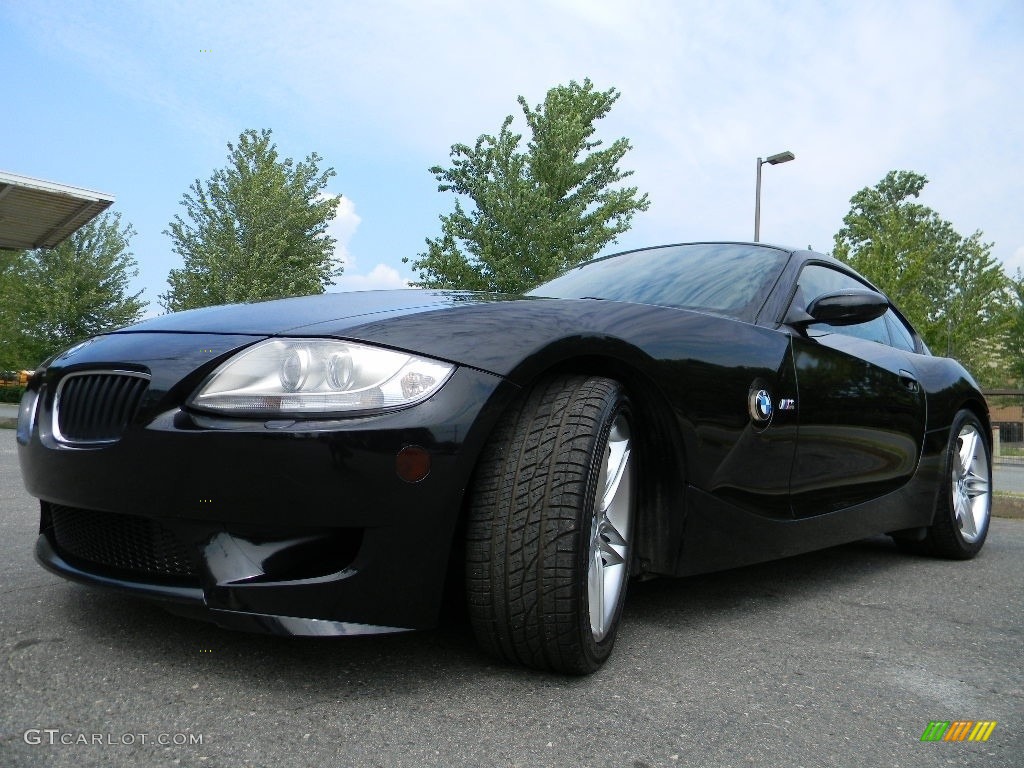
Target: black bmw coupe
[325,465]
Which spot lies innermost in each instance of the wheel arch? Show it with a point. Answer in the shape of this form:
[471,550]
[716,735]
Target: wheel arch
[661,451]
[661,460]
[976,404]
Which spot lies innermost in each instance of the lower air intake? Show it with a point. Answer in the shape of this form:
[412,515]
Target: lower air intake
[122,544]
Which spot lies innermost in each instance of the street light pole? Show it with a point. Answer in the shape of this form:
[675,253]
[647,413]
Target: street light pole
[781,157]
[757,203]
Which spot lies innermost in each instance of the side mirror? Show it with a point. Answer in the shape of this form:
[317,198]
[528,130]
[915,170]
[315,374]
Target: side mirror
[850,307]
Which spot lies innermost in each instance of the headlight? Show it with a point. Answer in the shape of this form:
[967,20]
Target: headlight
[314,377]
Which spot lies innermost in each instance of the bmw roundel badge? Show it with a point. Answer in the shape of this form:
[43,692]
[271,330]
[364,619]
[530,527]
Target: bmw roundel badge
[760,404]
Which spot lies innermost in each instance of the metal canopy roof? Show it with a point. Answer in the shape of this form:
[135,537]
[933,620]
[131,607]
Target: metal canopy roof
[40,214]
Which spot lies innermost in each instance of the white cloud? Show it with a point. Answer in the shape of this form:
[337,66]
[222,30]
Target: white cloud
[343,227]
[380,277]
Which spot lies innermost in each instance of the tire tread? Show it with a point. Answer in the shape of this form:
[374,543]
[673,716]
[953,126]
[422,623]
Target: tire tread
[523,535]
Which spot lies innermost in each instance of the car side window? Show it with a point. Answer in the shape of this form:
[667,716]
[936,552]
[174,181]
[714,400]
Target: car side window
[902,337]
[817,279]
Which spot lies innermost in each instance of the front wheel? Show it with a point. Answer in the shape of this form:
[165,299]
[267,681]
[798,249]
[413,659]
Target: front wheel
[550,524]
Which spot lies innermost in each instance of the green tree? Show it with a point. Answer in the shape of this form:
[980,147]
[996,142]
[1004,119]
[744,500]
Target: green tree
[534,213]
[950,286]
[64,294]
[1015,333]
[257,229]
[13,288]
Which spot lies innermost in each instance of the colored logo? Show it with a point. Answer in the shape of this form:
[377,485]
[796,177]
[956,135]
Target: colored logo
[958,730]
[760,404]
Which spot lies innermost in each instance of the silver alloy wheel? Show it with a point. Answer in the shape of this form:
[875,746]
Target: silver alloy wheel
[610,530]
[972,500]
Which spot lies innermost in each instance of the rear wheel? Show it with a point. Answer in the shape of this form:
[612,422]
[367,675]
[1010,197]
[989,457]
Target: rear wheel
[964,504]
[550,524]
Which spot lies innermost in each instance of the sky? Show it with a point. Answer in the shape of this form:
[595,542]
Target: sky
[139,99]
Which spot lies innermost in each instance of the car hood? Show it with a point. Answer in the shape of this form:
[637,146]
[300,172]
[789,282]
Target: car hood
[491,332]
[511,336]
[284,316]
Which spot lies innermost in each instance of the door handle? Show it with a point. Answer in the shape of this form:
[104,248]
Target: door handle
[907,380]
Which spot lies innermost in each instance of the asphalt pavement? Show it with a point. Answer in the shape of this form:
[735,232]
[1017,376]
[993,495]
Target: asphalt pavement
[837,658]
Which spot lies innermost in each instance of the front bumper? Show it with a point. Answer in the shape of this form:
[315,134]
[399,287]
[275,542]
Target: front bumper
[292,527]
[191,602]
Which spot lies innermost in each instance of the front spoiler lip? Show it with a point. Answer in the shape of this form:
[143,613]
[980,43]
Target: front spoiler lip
[287,626]
[191,602]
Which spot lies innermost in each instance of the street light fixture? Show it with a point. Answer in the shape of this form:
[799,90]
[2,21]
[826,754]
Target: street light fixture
[781,157]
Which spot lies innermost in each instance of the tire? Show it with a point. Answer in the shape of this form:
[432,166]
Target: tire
[963,506]
[551,516]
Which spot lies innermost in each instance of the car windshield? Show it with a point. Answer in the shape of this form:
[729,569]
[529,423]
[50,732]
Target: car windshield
[726,278]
